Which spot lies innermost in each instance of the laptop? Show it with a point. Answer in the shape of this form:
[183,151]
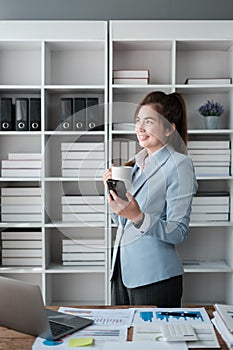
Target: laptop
[22,309]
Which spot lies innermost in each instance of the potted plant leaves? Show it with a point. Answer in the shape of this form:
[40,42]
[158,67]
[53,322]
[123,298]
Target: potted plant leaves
[211,111]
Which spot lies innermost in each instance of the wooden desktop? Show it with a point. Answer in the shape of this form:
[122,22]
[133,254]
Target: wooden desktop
[12,340]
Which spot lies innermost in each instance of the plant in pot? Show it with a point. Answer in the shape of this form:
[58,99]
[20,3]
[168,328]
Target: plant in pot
[211,111]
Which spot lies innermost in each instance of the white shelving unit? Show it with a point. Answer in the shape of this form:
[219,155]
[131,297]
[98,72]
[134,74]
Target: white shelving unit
[174,51]
[51,60]
[63,59]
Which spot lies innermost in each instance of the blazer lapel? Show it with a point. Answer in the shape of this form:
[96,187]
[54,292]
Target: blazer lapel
[155,164]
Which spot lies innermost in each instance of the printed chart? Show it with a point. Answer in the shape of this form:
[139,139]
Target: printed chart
[147,324]
[170,316]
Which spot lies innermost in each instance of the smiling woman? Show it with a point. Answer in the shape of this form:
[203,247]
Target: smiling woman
[146,269]
[152,131]
[171,111]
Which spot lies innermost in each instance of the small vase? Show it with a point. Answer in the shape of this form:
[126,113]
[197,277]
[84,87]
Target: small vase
[211,122]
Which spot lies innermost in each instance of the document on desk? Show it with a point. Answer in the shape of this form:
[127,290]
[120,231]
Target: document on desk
[147,324]
[222,329]
[131,345]
[99,335]
[103,317]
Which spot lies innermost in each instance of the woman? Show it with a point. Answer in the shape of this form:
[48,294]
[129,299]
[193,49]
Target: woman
[146,268]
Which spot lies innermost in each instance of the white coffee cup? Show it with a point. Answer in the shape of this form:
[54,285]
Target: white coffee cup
[123,173]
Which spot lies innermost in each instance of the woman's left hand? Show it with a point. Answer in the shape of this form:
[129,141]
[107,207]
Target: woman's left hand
[128,209]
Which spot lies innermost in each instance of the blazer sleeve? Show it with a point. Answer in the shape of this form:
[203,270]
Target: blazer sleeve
[115,218]
[172,225]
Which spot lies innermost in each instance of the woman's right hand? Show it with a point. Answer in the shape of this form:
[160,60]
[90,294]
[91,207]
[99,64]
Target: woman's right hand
[107,175]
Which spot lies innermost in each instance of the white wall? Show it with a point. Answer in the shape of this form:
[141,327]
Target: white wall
[115,9]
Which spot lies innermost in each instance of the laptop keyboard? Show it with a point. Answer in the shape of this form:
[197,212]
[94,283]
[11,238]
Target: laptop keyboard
[57,328]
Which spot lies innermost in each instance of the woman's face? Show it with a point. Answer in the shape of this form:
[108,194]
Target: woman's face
[150,130]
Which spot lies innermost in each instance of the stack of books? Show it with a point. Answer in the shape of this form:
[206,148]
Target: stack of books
[83,209]
[21,204]
[82,159]
[223,321]
[22,165]
[210,158]
[122,151]
[208,81]
[21,248]
[131,77]
[211,206]
[83,252]
[124,126]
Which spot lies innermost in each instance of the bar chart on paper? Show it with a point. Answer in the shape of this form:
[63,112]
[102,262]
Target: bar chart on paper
[168,316]
[148,322]
[103,317]
[183,316]
[162,315]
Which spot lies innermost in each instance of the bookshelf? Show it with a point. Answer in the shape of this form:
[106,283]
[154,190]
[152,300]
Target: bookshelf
[52,60]
[174,51]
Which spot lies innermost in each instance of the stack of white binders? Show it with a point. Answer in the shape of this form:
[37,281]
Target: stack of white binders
[22,165]
[21,204]
[211,206]
[21,248]
[83,209]
[131,76]
[210,158]
[83,252]
[82,159]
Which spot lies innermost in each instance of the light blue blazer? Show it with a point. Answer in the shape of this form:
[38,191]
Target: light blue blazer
[164,190]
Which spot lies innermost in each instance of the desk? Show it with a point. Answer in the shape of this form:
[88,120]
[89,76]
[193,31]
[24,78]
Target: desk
[12,340]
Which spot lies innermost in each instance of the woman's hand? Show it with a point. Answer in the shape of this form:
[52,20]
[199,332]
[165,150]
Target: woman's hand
[107,175]
[128,209]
